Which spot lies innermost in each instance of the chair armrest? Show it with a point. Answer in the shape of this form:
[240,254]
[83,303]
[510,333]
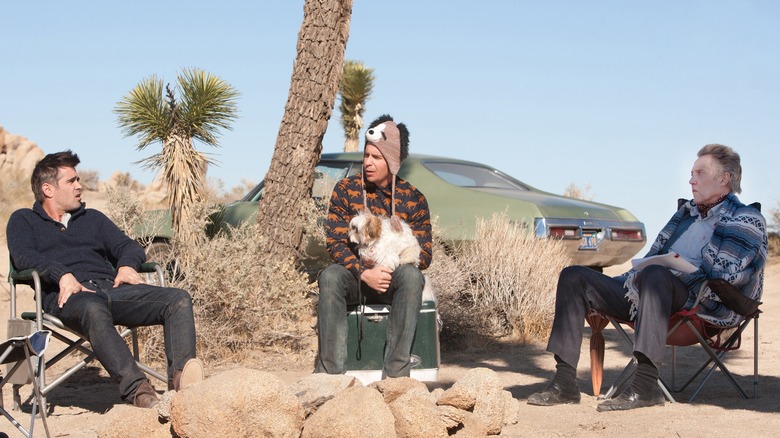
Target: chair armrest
[732,298]
[156,269]
[31,278]
[149,267]
[24,276]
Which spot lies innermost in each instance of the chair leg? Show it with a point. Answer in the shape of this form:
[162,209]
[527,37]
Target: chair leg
[628,372]
[134,338]
[718,363]
[620,382]
[755,356]
[17,398]
[666,391]
[38,400]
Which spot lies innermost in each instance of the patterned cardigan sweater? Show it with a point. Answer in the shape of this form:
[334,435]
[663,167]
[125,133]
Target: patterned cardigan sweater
[347,201]
[736,253]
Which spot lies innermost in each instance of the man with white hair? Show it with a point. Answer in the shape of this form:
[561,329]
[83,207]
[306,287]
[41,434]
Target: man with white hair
[721,237]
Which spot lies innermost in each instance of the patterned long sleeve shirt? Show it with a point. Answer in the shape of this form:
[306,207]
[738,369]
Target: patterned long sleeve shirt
[736,253]
[347,201]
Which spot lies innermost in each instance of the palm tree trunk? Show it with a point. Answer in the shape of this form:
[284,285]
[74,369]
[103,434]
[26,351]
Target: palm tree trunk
[351,144]
[322,41]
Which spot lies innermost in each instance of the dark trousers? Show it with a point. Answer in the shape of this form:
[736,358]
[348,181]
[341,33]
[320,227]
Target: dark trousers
[338,288]
[581,289]
[96,314]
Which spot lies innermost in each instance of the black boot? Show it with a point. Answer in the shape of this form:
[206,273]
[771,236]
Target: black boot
[644,390]
[562,390]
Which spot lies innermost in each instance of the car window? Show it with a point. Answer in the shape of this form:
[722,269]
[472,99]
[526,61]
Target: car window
[467,175]
[326,175]
[255,194]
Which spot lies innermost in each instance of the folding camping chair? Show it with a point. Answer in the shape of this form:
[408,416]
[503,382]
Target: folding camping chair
[20,351]
[685,329]
[74,341]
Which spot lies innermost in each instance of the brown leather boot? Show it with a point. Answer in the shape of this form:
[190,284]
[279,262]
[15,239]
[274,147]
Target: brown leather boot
[145,396]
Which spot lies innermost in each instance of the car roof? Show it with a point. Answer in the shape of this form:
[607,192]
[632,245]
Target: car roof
[358,156]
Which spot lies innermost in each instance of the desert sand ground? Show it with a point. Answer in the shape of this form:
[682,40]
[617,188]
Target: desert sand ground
[523,369]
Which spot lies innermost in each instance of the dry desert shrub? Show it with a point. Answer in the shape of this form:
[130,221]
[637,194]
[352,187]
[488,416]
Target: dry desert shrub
[774,244]
[215,190]
[242,300]
[15,193]
[459,329]
[502,283]
[773,219]
[90,179]
[124,208]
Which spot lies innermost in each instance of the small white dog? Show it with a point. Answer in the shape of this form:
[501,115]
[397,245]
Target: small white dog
[378,241]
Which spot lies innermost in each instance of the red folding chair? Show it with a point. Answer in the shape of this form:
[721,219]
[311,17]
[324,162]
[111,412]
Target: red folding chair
[686,328]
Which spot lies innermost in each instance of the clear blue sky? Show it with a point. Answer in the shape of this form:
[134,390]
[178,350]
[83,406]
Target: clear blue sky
[616,94]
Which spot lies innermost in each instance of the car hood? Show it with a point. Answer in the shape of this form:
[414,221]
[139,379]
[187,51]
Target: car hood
[554,206]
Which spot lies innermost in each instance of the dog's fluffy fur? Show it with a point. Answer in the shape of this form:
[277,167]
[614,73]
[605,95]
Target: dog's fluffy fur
[377,240]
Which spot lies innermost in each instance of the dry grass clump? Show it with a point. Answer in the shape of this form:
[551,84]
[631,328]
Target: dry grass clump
[242,300]
[501,284]
[774,231]
[215,190]
[89,179]
[15,193]
[774,244]
[124,208]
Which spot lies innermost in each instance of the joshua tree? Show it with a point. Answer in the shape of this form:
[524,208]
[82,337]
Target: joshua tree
[322,41]
[355,88]
[206,104]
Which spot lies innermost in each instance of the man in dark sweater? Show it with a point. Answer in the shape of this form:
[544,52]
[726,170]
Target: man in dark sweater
[75,250]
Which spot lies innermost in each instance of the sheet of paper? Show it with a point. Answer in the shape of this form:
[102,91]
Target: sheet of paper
[671,260]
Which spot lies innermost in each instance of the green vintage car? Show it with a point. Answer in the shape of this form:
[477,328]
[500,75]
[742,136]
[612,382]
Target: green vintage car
[458,192]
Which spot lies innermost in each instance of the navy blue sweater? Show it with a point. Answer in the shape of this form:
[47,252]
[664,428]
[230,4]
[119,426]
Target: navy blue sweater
[87,247]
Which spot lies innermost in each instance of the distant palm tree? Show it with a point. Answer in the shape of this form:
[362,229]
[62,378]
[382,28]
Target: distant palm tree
[357,82]
[207,104]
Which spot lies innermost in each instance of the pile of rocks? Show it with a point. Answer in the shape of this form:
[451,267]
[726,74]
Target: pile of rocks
[18,155]
[246,402]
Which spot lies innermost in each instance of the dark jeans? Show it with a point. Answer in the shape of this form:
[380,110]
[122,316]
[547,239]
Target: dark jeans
[581,289]
[339,288]
[96,314]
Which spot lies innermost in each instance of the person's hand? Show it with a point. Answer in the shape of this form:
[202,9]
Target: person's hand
[127,275]
[378,278]
[69,286]
[368,262]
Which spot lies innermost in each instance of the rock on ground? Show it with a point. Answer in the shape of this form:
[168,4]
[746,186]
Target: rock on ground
[239,403]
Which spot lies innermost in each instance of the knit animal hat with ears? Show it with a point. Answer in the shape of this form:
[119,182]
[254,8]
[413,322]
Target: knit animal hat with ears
[392,140]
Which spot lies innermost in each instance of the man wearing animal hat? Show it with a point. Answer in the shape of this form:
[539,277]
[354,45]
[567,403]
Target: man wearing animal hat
[350,280]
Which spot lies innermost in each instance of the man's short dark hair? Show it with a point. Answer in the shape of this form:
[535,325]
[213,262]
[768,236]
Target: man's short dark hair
[48,168]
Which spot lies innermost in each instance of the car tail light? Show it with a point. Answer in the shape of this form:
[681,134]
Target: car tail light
[565,232]
[632,235]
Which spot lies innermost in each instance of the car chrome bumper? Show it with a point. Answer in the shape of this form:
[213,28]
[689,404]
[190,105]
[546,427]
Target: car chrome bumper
[595,242]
